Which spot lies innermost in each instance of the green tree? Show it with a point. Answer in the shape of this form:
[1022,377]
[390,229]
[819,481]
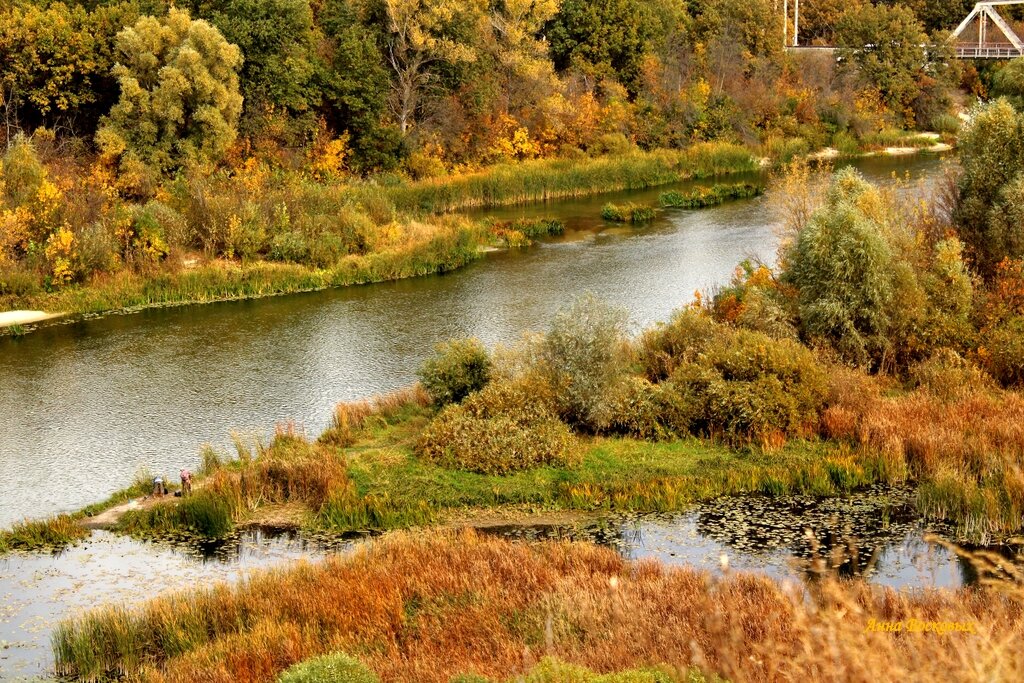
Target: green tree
[885,44]
[179,102]
[1008,82]
[354,86]
[990,192]
[277,41]
[842,267]
[602,38]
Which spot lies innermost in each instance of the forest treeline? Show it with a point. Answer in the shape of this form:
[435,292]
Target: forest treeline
[148,142]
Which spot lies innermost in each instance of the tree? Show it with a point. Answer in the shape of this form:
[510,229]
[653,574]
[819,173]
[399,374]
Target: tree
[354,86]
[55,64]
[1008,82]
[421,36]
[602,38]
[842,267]
[179,102]
[990,192]
[886,45]
[277,41]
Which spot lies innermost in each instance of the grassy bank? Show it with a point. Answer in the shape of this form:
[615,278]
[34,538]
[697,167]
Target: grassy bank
[372,478]
[429,608]
[543,180]
[260,233]
[447,249]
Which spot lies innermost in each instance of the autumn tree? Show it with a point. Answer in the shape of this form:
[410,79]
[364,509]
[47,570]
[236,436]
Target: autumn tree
[55,64]
[422,37]
[892,53]
[180,100]
[277,41]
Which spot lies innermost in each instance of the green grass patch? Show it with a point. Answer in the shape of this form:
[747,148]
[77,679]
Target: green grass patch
[56,532]
[705,197]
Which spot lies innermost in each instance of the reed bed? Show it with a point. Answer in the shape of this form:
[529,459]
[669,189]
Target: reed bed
[543,180]
[427,608]
[967,450]
[55,532]
[704,197]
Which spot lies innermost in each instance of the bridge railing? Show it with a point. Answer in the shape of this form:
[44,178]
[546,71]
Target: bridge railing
[988,51]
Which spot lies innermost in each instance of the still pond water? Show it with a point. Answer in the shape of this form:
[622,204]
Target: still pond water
[86,406]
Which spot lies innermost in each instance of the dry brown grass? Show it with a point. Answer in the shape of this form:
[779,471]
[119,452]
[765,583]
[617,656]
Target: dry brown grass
[351,416]
[967,450]
[425,608]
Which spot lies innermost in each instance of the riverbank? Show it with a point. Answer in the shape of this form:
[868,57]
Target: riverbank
[410,603]
[388,230]
[425,234]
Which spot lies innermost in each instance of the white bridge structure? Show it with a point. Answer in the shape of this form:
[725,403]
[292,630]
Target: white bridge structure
[984,34]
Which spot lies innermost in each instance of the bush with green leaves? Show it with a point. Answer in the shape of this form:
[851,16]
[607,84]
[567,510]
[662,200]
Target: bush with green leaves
[843,267]
[583,353]
[713,379]
[333,668]
[179,102]
[989,203]
[456,370]
[508,426]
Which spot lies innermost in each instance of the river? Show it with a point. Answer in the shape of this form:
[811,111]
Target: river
[88,405]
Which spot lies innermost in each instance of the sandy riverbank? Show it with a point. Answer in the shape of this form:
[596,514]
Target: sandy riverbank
[11,318]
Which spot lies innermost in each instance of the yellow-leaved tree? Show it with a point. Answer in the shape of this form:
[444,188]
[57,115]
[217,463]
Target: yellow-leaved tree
[180,100]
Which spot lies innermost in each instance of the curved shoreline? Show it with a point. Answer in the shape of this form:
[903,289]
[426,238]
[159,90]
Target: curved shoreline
[20,326]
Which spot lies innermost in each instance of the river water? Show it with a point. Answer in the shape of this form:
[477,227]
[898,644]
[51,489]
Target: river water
[88,405]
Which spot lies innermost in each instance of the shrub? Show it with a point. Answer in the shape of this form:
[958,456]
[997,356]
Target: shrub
[1002,352]
[742,384]
[332,668]
[583,354]
[948,375]
[506,427]
[289,246]
[647,411]
[610,143]
[668,345]
[457,369]
[551,670]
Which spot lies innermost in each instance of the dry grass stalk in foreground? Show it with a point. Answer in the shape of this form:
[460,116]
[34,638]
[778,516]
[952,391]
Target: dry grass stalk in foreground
[426,608]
